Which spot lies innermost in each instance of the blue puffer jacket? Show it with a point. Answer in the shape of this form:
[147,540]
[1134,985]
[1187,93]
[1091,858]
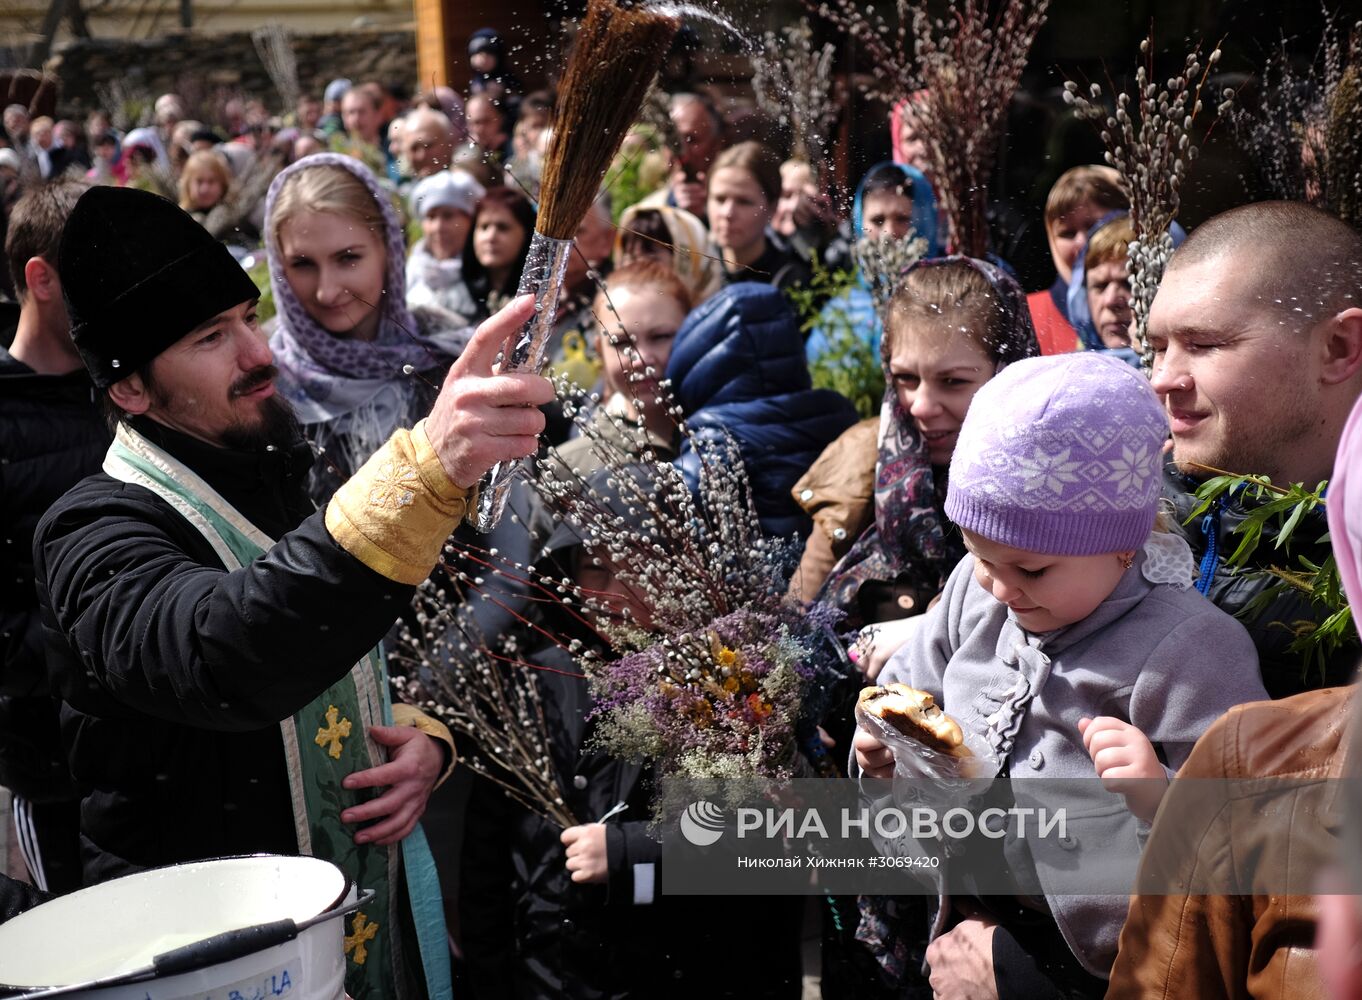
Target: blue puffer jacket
[738,367]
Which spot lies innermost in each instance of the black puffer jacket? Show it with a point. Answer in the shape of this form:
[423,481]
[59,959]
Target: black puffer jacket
[1284,672]
[176,673]
[52,435]
[529,931]
[780,266]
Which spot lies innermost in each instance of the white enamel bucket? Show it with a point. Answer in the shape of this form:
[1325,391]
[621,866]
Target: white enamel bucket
[264,927]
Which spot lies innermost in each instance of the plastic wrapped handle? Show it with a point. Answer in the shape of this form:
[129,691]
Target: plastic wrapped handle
[545,267]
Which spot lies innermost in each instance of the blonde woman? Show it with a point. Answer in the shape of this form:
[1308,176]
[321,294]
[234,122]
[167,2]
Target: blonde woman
[204,184]
[221,203]
[344,334]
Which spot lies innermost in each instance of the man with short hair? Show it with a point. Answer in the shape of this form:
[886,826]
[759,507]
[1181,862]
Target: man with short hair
[169,111]
[52,436]
[487,126]
[1258,359]
[359,111]
[700,136]
[427,141]
[214,639]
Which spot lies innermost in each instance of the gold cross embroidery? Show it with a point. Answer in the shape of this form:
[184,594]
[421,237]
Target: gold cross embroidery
[333,732]
[394,485]
[364,931]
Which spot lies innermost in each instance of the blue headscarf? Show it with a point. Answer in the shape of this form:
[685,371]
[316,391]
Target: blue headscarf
[856,304]
[924,205]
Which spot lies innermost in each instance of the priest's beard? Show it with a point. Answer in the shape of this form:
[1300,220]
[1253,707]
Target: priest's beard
[272,422]
[277,427]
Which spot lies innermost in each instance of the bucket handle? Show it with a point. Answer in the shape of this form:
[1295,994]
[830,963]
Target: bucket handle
[214,950]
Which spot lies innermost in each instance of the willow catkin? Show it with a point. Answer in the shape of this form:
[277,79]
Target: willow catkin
[618,50]
[1343,134]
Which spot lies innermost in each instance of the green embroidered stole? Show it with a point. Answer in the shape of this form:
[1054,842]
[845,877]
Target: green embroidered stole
[323,743]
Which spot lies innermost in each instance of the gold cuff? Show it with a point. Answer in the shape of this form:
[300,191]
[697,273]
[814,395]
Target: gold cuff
[396,512]
[410,715]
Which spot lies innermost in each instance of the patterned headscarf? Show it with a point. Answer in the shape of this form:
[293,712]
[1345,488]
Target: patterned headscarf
[910,538]
[698,271]
[313,357]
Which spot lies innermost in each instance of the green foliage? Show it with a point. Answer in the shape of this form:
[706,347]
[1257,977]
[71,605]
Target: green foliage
[1283,511]
[629,179]
[260,274]
[626,186]
[848,365]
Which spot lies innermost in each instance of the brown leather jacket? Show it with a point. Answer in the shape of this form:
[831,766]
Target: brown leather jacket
[838,492]
[1245,946]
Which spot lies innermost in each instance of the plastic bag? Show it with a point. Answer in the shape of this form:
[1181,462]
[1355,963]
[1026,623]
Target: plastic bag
[916,765]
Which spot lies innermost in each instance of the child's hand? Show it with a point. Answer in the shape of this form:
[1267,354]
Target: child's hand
[1126,763]
[586,852]
[876,759]
[876,643]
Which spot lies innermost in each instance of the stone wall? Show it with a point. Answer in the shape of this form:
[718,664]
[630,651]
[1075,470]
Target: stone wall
[204,67]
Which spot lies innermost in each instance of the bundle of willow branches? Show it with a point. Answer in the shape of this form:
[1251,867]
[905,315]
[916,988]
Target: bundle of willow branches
[692,554]
[883,261]
[1306,131]
[959,78]
[793,84]
[1149,141]
[486,696]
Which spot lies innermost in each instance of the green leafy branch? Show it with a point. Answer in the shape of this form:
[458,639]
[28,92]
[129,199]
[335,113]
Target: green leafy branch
[1284,511]
[848,365]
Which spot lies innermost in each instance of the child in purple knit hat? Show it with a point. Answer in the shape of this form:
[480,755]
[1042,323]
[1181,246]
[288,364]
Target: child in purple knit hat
[1071,643]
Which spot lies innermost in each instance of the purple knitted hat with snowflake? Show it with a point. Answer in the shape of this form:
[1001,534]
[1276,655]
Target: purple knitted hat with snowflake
[1060,455]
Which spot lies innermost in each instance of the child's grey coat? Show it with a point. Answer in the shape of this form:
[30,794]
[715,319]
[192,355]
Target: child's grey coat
[1158,656]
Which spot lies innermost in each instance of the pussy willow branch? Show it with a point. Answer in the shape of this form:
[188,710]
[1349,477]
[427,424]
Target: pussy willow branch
[793,84]
[960,73]
[1149,140]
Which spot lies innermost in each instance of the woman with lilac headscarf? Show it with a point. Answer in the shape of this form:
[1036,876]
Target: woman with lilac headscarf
[344,336]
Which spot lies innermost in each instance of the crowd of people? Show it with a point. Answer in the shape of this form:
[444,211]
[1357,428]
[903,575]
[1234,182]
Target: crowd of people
[222,482]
